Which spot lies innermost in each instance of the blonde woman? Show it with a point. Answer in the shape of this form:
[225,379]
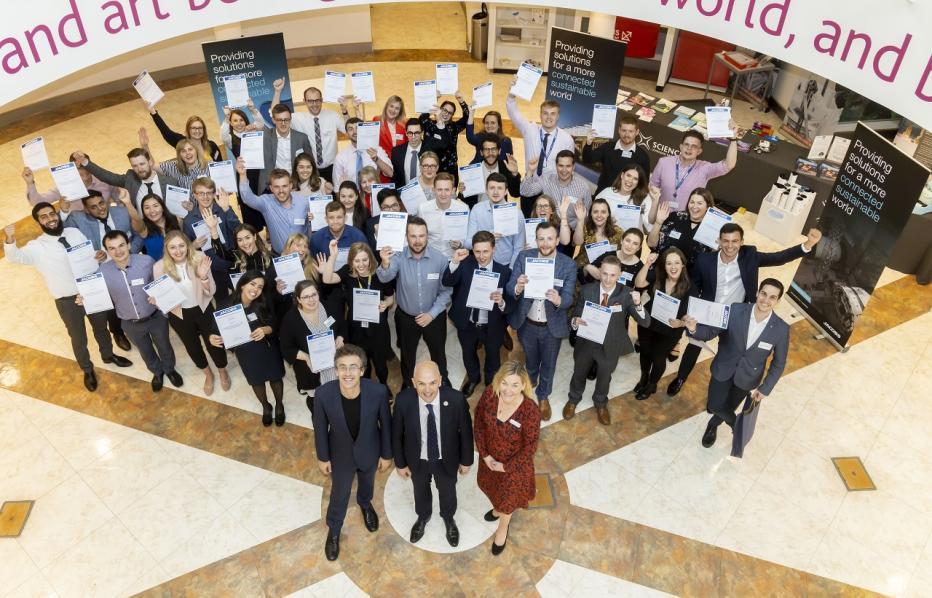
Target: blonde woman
[296,243]
[507,427]
[188,165]
[190,269]
[392,129]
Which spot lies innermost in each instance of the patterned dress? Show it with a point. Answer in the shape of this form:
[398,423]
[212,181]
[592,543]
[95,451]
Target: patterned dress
[511,445]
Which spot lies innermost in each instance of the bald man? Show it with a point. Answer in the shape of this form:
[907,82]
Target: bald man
[432,438]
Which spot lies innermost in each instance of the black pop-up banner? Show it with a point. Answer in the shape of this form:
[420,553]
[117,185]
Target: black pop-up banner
[871,201]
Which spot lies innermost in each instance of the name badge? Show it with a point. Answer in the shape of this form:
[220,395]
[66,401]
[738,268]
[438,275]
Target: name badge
[626,153]
[433,276]
[514,423]
[616,309]
[329,321]
[437,136]
[399,136]
[251,317]
[299,221]
[137,281]
[625,276]
[764,346]
[674,234]
[558,283]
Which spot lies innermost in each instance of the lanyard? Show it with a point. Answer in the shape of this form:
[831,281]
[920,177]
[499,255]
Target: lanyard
[368,282]
[679,181]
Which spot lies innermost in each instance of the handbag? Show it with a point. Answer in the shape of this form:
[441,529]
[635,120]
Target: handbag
[744,426]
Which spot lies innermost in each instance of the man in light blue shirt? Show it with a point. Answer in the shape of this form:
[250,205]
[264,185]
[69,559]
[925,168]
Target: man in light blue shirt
[422,299]
[507,247]
[285,212]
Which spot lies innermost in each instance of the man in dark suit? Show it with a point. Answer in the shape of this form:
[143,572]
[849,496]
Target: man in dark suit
[476,325]
[606,294]
[295,142]
[542,323]
[728,276]
[614,157]
[493,161]
[353,436]
[406,165]
[432,438]
[754,333]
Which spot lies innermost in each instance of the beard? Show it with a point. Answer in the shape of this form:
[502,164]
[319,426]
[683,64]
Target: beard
[56,231]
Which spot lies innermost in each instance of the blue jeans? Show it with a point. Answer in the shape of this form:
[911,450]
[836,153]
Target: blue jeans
[540,350]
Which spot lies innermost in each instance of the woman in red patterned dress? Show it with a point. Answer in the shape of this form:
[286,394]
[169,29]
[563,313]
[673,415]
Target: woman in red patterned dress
[507,426]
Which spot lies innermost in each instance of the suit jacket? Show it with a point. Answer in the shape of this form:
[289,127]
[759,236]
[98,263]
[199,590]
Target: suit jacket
[129,181]
[399,168]
[332,438]
[704,272]
[514,183]
[456,440]
[90,226]
[564,274]
[299,144]
[461,280]
[617,342]
[746,366]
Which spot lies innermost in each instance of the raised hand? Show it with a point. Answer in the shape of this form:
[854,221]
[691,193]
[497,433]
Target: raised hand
[814,236]
[28,176]
[241,166]
[278,84]
[650,259]
[532,165]
[512,164]
[203,267]
[663,212]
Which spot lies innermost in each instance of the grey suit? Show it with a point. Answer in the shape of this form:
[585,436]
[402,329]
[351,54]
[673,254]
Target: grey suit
[299,144]
[737,370]
[90,226]
[617,342]
[130,181]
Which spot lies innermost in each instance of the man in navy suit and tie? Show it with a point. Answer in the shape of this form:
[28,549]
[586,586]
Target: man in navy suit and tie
[432,438]
[754,333]
[476,325]
[353,436]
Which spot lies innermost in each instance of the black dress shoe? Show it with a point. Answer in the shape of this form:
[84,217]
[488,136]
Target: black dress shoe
[332,546]
[496,549]
[640,385]
[453,532]
[490,516]
[157,381]
[417,530]
[711,432]
[370,518]
[120,340]
[119,361]
[675,386]
[175,378]
[469,387]
[646,391]
[90,381]
[279,414]
[507,343]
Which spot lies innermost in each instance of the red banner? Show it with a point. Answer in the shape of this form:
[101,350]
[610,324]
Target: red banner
[641,37]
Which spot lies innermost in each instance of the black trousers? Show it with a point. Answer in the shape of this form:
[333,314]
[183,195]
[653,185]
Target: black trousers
[585,355]
[423,497]
[655,347]
[193,327]
[72,315]
[409,334]
[342,487]
[326,173]
[527,205]
[724,400]
[688,361]
[470,336]
[114,322]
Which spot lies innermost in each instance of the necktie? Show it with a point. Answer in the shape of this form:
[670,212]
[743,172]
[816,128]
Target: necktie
[412,168]
[318,144]
[543,154]
[433,443]
[107,228]
[149,187]
[604,300]
[358,164]
[64,242]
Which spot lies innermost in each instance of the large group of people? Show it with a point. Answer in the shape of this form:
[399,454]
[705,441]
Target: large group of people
[568,229]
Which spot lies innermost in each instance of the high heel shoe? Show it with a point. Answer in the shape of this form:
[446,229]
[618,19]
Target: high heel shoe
[279,414]
[267,415]
[640,385]
[490,516]
[496,549]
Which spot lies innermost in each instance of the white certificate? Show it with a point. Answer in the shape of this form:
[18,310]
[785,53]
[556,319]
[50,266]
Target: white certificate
[288,268]
[318,207]
[34,154]
[81,259]
[603,120]
[237,90]
[366,305]
[597,319]
[448,78]
[595,250]
[539,272]
[471,176]
[530,230]
[68,181]
[425,95]
[392,228]
[147,88]
[322,349]
[334,86]
[526,81]
[342,257]
[819,148]
[505,218]
[455,225]
[233,326]
[837,151]
[173,198]
[717,119]
[712,222]
[708,312]
[626,215]
[484,283]
[363,85]
[234,277]
[251,149]
[412,196]
[223,175]
[166,293]
[93,291]
[367,134]
[201,229]
[482,95]
[664,308]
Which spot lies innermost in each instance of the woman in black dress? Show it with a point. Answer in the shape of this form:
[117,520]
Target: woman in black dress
[260,358]
[443,132]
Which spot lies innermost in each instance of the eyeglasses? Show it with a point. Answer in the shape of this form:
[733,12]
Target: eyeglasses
[283,120]
[203,193]
[192,129]
[306,297]
[447,112]
[351,368]
[391,206]
[429,166]
[413,133]
[490,150]
[317,101]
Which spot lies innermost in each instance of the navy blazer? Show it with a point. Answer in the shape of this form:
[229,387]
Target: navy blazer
[90,226]
[227,223]
[332,437]
[461,280]
[746,366]
[456,440]
[704,272]
[564,277]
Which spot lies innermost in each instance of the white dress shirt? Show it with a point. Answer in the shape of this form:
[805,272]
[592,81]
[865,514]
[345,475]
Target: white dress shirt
[755,329]
[433,216]
[283,154]
[532,133]
[144,189]
[49,257]
[344,165]
[422,411]
[330,122]
[728,286]
[412,153]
